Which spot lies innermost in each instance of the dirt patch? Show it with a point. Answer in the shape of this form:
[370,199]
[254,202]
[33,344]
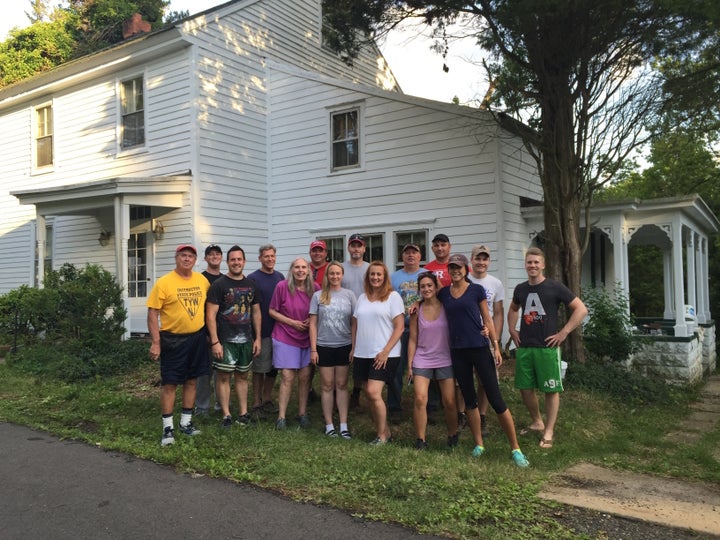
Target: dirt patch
[666,502]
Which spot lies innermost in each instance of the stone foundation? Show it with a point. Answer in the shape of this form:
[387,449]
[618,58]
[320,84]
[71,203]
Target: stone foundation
[709,352]
[678,360]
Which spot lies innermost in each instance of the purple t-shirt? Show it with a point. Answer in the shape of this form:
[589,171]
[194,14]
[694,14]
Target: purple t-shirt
[296,306]
[464,318]
[433,342]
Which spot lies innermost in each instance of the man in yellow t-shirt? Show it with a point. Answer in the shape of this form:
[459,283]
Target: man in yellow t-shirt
[176,322]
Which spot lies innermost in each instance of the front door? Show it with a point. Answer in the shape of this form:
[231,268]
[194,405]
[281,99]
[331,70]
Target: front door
[139,269]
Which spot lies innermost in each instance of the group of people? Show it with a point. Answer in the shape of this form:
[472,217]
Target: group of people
[442,322]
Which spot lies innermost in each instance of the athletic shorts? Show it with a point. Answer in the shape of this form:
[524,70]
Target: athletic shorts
[538,368]
[334,356]
[439,374]
[236,357]
[263,363]
[290,357]
[363,369]
[183,357]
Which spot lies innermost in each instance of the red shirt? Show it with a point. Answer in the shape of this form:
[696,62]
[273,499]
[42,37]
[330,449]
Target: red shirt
[441,271]
[319,273]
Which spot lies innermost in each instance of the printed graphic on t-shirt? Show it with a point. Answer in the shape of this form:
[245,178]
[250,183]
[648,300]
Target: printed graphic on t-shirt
[534,311]
[239,301]
[190,299]
[408,291]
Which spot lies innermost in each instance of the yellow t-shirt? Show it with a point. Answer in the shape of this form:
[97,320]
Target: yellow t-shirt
[181,302]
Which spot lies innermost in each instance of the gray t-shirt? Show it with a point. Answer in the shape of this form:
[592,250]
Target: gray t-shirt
[334,319]
[354,277]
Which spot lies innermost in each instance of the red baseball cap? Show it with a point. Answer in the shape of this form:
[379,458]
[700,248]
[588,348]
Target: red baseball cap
[183,247]
[318,244]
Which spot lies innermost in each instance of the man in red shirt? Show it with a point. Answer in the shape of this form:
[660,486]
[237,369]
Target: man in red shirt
[318,260]
[441,249]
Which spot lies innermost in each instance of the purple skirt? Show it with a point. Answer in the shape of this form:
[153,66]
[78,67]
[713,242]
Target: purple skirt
[289,356]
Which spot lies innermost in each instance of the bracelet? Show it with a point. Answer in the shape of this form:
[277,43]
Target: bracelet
[216,343]
[313,351]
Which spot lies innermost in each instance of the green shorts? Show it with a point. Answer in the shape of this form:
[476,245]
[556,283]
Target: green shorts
[236,357]
[538,368]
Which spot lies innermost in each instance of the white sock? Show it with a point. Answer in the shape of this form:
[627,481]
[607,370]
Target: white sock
[343,427]
[185,418]
[168,422]
[329,428]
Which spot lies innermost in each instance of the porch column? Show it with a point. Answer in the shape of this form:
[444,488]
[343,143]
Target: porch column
[40,239]
[620,260]
[668,295]
[703,307]
[122,234]
[680,328]
[691,279]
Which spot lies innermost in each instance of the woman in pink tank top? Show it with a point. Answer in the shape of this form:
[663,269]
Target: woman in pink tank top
[429,358]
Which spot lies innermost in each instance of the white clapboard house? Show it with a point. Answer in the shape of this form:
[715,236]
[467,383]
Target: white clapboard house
[237,125]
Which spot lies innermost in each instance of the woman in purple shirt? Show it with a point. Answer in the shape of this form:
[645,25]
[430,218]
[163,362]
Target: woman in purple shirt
[290,307]
[429,358]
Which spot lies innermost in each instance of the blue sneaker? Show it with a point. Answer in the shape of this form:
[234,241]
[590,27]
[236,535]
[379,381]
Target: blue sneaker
[280,425]
[478,451]
[519,459]
[189,429]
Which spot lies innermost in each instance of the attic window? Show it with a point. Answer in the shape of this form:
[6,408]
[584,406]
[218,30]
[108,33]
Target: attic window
[44,136]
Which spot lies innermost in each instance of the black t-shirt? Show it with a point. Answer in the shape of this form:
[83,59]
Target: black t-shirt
[234,298]
[539,304]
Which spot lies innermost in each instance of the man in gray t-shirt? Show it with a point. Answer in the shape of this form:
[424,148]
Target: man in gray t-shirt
[354,268]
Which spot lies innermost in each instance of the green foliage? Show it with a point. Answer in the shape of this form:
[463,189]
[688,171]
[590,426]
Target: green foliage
[37,48]
[76,306]
[73,362]
[645,269]
[608,334]
[617,382]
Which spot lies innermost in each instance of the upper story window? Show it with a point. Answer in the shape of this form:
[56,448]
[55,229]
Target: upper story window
[43,136]
[132,108]
[345,139]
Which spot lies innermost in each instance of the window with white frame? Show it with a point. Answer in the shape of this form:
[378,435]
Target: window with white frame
[345,127]
[43,136]
[374,247]
[138,265]
[132,110]
[417,237]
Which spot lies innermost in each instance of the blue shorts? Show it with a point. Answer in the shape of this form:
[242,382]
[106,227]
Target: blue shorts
[183,357]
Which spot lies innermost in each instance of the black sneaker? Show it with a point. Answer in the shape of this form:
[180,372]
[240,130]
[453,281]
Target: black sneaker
[484,431]
[258,413]
[243,419]
[303,421]
[227,422]
[189,429]
[168,437]
[420,444]
[452,441]
[462,420]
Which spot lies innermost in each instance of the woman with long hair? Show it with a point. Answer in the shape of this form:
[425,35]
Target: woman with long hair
[290,306]
[429,358]
[377,326]
[467,311]
[331,310]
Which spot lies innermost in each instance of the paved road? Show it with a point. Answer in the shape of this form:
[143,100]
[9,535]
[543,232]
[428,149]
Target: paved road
[54,489]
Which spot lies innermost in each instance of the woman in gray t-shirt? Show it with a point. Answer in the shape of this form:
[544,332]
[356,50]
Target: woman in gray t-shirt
[331,310]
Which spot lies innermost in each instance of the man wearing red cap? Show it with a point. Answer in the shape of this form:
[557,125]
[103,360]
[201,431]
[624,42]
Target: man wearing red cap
[318,260]
[176,323]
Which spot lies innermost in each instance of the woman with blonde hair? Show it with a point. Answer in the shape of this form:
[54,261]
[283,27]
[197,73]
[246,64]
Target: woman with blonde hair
[331,310]
[377,325]
[290,307]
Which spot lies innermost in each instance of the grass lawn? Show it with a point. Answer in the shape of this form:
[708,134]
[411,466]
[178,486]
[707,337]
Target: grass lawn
[439,491]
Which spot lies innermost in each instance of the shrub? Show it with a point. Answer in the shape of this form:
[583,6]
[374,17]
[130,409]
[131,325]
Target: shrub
[608,334]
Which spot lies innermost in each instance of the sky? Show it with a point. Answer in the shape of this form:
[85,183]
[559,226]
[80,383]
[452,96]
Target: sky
[418,70]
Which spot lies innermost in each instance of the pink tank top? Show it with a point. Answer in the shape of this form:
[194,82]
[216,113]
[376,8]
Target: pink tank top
[433,344]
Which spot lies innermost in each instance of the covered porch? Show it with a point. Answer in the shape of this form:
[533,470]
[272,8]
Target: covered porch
[681,227]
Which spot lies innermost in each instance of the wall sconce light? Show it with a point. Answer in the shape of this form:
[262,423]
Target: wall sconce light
[104,238]
[158,229]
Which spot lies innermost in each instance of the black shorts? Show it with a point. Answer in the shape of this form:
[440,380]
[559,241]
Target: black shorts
[183,357]
[333,356]
[363,369]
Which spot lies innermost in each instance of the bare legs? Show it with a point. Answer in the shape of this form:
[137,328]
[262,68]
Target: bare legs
[552,407]
[378,410]
[334,383]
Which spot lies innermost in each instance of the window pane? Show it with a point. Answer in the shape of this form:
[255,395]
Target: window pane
[44,152]
[374,250]
[43,137]
[346,139]
[419,238]
[133,129]
[133,115]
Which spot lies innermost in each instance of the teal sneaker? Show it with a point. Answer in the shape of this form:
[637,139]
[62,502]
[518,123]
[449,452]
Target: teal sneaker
[519,459]
[478,451]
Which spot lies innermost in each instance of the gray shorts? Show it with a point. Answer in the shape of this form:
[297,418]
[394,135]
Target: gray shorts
[438,374]
[263,363]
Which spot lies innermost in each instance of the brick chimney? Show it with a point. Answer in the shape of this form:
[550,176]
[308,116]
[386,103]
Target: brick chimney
[134,26]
